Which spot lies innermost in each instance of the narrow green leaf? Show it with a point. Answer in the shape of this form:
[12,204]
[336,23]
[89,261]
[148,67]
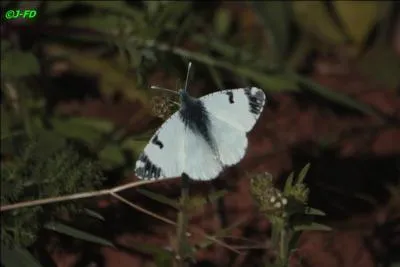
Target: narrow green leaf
[151,249]
[57,6]
[303,174]
[289,183]
[312,227]
[120,8]
[371,64]
[136,144]
[199,201]
[102,125]
[94,214]
[158,197]
[16,63]
[222,21]
[18,257]
[334,96]
[87,130]
[220,233]
[294,240]
[358,19]
[312,211]
[79,234]
[111,155]
[275,16]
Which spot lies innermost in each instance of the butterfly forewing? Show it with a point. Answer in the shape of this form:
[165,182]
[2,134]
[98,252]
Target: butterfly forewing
[163,156]
[239,107]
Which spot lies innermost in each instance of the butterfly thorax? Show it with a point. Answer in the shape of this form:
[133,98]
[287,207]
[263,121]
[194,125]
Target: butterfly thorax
[195,117]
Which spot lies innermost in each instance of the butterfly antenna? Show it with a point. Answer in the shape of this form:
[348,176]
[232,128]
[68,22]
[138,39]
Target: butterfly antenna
[187,76]
[163,89]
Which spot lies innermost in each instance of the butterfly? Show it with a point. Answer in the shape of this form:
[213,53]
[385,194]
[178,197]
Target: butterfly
[204,136]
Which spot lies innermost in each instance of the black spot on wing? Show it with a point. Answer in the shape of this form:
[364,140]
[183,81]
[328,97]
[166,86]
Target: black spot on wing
[148,169]
[256,100]
[230,95]
[157,142]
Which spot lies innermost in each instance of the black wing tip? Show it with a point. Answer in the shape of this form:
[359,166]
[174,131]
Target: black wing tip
[147,170]
[256,98]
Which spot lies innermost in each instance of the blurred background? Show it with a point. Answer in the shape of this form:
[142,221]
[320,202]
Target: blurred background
[76,111]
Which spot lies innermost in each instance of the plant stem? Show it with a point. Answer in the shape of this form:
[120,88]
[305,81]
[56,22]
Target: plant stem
[282,247]
[183,247]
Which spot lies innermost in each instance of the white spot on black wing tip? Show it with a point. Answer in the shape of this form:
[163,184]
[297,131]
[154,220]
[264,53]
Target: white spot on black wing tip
[256,99]
[145,169]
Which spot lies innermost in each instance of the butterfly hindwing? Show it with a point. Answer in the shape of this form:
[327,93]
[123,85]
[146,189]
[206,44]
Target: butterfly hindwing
[231,143]
[163,156]
[239,107]
[201,162]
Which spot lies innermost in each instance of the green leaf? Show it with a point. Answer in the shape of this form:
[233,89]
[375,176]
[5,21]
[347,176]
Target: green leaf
[381,65]
[273,82]
[158,197]
[303,174]
[150,249]
[76,233]
[57,6]
[5,46]
[94,214]
[101,125]
[120,8]
[111,155]
[162,257]
[312,227]
[18,257]
[16,63]
[289,183]
[334,96]
[276,18]
[220,233]
[136,144]
[85,129]
[313,18]
[199,201]
[222,21]
[49,142]
[294,240]
[312,211]
[358,18]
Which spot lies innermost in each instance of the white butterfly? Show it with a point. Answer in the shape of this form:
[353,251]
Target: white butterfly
[204,136]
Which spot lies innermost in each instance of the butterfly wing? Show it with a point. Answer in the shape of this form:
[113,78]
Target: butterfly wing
[201,162]
[233,113]
[163,156]
[240,107]
[174,149]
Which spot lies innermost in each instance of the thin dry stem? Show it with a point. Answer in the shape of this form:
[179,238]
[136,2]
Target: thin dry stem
[43,201]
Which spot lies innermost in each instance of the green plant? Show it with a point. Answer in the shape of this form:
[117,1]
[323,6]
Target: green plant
[287,211]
